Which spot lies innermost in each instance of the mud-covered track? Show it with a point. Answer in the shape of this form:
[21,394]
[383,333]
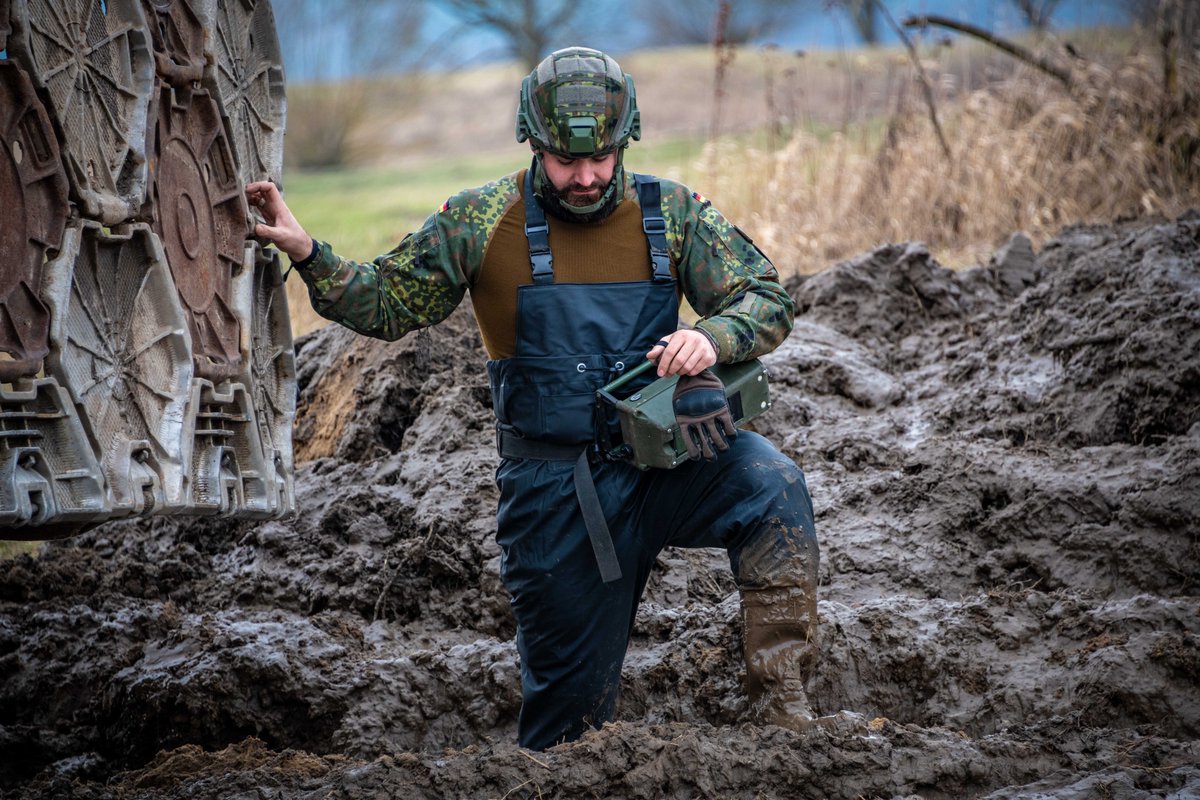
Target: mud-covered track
[130,128]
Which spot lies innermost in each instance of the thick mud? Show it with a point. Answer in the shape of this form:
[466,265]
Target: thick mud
[1006,467]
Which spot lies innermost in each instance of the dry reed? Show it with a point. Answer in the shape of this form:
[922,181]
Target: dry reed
[1029,155]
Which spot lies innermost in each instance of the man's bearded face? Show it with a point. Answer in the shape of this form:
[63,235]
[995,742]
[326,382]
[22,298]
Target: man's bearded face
[580,182]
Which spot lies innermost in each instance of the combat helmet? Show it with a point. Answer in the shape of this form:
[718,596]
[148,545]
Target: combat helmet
[578,103]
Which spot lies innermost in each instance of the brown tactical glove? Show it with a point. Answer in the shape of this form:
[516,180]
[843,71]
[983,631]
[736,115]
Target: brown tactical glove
[703,415]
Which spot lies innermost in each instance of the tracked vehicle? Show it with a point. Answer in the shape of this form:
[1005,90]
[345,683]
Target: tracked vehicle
[146,359]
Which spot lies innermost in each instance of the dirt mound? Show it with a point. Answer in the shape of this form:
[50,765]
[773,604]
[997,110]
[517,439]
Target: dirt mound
[1006,467]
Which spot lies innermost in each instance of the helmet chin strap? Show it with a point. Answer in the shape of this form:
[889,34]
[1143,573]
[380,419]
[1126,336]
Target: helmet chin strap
[593,212]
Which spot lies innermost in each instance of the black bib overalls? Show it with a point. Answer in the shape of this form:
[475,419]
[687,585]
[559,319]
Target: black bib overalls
[573,627]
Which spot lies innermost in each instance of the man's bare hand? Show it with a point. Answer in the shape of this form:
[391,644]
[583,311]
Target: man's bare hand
[281,227]
[686,352]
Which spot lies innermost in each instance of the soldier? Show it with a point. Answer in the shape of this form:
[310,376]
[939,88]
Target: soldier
[575,270]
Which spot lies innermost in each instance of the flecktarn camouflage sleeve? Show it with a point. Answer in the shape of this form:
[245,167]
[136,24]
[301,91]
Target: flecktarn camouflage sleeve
[422,279]
[727,280]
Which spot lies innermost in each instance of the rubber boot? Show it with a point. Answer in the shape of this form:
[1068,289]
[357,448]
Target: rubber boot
[780,635]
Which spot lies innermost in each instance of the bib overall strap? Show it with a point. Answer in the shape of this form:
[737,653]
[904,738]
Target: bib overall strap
[585,492]
[538,233]
[654,224]
[593,518]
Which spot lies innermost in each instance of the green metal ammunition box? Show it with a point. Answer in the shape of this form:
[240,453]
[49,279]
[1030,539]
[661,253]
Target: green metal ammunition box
[651,436]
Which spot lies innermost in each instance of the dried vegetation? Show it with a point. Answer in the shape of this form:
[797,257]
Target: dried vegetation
[1031,153]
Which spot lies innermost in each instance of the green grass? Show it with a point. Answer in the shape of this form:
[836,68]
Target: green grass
[365,211]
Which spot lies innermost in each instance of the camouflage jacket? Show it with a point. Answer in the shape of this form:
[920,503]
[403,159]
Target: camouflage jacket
[730,284]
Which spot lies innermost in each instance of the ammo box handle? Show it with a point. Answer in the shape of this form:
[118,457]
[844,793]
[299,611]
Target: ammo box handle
[607,392]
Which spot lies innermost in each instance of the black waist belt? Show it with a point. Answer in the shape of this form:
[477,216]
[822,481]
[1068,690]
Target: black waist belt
[585,490]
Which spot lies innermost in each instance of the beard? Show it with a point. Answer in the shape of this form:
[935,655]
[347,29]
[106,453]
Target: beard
[582,196]
[565,203]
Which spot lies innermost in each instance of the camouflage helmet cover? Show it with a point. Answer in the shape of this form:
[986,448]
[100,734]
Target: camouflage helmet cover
[578,103]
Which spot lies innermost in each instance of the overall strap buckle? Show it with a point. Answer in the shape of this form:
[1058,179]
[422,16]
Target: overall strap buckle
[537,233]
[654,225]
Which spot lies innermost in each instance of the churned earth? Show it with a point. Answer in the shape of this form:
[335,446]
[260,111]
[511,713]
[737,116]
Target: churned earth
[1006,468]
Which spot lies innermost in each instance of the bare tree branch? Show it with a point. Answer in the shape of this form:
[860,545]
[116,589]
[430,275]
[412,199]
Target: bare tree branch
[1014,50]
[926,87]
[527,26]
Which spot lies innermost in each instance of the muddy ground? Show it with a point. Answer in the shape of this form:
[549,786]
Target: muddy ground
[1006,467]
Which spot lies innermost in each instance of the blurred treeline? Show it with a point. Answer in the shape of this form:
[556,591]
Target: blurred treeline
[356,44]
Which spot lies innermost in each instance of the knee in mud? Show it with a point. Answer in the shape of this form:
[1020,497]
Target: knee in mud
[780,555]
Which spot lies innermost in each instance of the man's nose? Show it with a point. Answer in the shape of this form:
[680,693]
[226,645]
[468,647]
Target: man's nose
[585,172]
